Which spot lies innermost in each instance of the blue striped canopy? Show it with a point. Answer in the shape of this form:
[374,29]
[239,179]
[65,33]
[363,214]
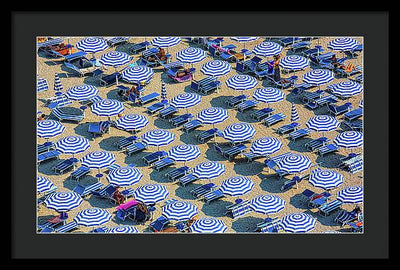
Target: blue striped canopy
[236,185]
[136,74]
[244,39]
[346,89]
[158,137]
[123,229]
[349,139]
[294,163]
[294,114]
[41,84]
[268,94]
[63,201]
[132,122]
[323,123]
[318,76]
[208,169]
[343,44]
[92,217]
[208,225]
[57,83]
[151,193]
[98,159]
[326,179]
[191,55]
[81,92]
[267,204]
[298,223]
[241,82]
[216,68]
[164,42]
[239,132]
[351,194]
[266,146]
[107,107]
[92,45]
[184,152]
[185,100]
[163,91]
[124,176]
[294,62]
[179,211]
[212,115]
[115,59]
[49,128]
[267,49]
[72,144]
[44,184]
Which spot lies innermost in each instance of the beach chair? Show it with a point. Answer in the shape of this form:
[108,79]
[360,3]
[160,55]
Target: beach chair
[319,199]
[191,125]
[167,112]
[112,167]
[212,196]
[53,223]
[187,179]
[59,102]
[181,119]
[319,102]
[238,209]
[341,109]
[111,79]
[207,88]
[196,85]
[247,104]
[172,65]
[103,229]
[68,227]
[203,189]
[114,41]
[91,101]
[272,165]
[273,119]
[345,217]
[148,98]
[302,45]
[231,152]
[293,182]
[155,107]
[87,190]
[153,157]
[41,85]
[287,128]
[311,96]
[262,113]
[65,165]
[313,51]
[208,134]
[356,226]
[354,114]
[79,172]
[268,225]
[299,89]
[106,192]
[48,156]
[63,115]
[248,66]
[359,78]
[354,125]
[286,41]
[349,70]
[173,75]
[300,133]
[307,195]
[329,207]
[98,129]
[236,100]
[45,147]
[139,47]
[135,148]
[283,83]
[85,67]
[355,167]
[353,52]
[70,58]
[125,142]
[316,143]
[250,156]
[162,163]
[159,224]
[349,160]
[177,173]
[326,149]
[317,58]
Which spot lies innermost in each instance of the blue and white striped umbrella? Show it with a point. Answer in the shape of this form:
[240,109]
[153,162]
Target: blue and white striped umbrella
[184,152]
[191,55]
[267,49]
[107,107]
[294,62]
[268,94]
[346,89]
[265,146]
[244,39]
[163,92]
[81,92]
[92,217]
[298,223]
[165,42]
[208,225]
[92,45]
[343,44]
[179,211]
[158,137]
[351,194]
[323,123]
[72,144]
[349,139]
[267,204]
[115,59]
[98,159]
[137,74]
[41,84]
[236,185]
[44,184]
[49,128]
[361,104]
[185,100]
[208,169]
[131,122]
[216,68]
[318,76]
[212,115]
[326,179]
[294,114]
[151,193]
[123,229]
[57,83]
[239,132]
[63,201]
[124,176]
[241,82]
[294,163]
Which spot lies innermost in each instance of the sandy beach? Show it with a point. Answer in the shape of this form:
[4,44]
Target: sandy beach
[265,182]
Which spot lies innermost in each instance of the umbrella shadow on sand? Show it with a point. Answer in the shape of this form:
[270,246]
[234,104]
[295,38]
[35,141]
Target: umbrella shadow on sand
[272,184]
[183,192]
[330,161]
[159,177]
[220,102]
[297,202]
[108,144]
[189,138]
[216,208]
[298,145]
[212,154]
[137,159]
[246,224]
[82,130]
[92,81]
[163,123]
[248,169]
[245,116]
[47,167]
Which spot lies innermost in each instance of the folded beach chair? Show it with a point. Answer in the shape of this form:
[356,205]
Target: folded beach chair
[148,98]
[345,217]
[45,147]
[167,112]
[273,119]
[287,128]
[208,134]
[98,129]
[319,199]
[350,159]
[138,47]
[247,104]
[87,190]
[293,182]
[300,133]
[329,207]
[201,190]
[177,173]
[135,147]
[236,100]
[108,80]
[48,155]
[128,193]
[212,196]
[355,167]
[354,114]
[155,107]
[311,96]
[326,149]
[79,172]
[187,179]
[65,165]
[162,163]
[62,115]
[239,209]
[316,143]
[153,157]
[341,109]
[159,224]
[262,113]
[181,119]
[191,125]
[59,102]
[69,227]
[125,142]
[354,125]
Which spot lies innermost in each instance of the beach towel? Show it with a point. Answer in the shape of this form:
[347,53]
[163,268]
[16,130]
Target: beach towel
[127,205]
[350,67]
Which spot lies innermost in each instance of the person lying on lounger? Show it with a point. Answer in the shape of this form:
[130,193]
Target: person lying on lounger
[119,198]
[336,64]
[160,55]
[183,73]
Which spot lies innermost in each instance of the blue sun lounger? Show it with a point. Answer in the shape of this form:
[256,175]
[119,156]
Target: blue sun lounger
[159,224]
[319,102]
[286,41]
[250,156]
[153,157]
[354,125]
[273,119]
[236,100]
[148,98]
[293,182]
[59,102]
[300,88]
[231,152]
[307,195]
[62,115]
[208,134]
[167,112]
[135,147]
[91,101]
[273,165]
[111,79]
[321,57]
[238,209]
[316,143]
[283,83]
[356,226]
[206,89]
[313,51]
[187,179]
[326,149]
[80,172]
[329,207]
[203,189]
[98,129]
[212,196]
[181,119]
[162,163]
[191,125]
[354,114]
[125,142]
[341,109]
[345,217]
[87,190]
[65,165]
[302,45]
[103,229]
[48,155]
[177,173]
[300,133]
[197,85]
[262,113]
[45,147]
[114,41]
[311,96]
[287,128]
[342,73]
[155,107]
[247,104]
[319,199]
[268,225]
[138,47]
